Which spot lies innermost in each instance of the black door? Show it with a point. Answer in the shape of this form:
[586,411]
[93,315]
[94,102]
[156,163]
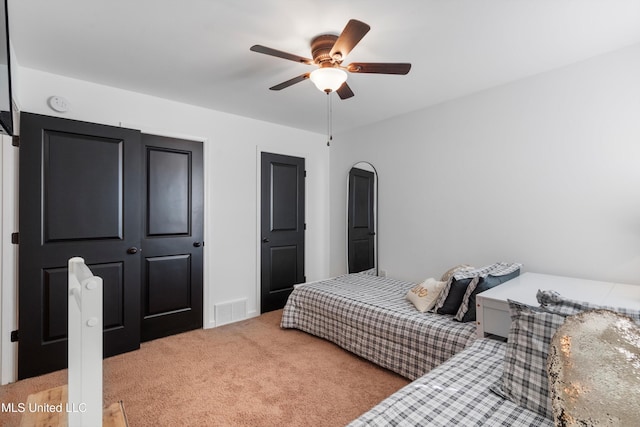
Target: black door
[172,245]
[78,197]
[361,223]
[282,228]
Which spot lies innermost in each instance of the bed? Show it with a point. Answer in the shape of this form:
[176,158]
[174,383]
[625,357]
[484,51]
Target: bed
[370,316]
[455,393]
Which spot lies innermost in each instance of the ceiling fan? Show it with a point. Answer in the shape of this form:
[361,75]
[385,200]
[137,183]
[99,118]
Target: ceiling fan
[328,52]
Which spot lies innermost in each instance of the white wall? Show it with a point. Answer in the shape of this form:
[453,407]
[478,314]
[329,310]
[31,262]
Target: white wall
[8,257]
[542,171]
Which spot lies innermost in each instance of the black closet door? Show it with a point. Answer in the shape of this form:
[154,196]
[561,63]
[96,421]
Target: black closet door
[173,218]
[80,187]
[282,228]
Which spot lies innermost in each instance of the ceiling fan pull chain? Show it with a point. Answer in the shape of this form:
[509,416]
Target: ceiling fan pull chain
[329,120]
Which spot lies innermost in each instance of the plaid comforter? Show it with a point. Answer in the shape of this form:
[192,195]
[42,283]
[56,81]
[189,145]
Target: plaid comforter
[455,393]
[370,316]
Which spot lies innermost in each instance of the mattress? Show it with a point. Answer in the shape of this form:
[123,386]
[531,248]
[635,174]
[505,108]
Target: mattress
[455,393]
[370,316]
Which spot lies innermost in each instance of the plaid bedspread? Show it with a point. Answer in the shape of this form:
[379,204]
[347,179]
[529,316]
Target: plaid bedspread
[455,393]
[370,316]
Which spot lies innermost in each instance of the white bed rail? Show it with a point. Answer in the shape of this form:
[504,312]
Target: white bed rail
[84,407]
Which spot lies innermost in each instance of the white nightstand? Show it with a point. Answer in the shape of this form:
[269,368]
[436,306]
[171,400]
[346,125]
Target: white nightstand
[492,310]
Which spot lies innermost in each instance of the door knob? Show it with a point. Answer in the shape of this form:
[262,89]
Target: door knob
[197,244]
[265,240]
[132,250]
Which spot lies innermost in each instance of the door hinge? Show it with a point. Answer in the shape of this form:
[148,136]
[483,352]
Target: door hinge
[305,174]
[15,141]
[15,238]
[14,336]
[305,225]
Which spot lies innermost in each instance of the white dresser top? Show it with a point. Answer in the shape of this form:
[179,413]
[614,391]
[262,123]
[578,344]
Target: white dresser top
[524,288]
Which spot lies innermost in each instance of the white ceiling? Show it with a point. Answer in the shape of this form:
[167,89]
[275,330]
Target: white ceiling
[197,51]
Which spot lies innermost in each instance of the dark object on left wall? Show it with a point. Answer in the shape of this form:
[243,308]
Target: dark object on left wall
[6,101]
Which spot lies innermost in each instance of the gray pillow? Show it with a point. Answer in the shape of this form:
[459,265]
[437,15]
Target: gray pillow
[553,302]
[524,379]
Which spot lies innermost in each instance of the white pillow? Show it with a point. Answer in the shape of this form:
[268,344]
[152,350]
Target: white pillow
[424,295]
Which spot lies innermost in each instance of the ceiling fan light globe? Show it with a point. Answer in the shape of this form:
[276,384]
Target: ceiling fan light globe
[328,79]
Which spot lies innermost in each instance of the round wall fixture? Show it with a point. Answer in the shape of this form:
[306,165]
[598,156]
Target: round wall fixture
[58,103]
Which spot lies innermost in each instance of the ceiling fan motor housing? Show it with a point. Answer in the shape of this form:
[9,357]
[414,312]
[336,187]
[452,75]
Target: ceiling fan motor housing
[321,48]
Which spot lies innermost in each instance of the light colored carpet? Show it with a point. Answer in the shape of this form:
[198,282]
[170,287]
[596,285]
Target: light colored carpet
[250,373]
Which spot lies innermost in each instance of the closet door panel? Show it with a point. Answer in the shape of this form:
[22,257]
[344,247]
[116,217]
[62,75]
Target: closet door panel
[83,199]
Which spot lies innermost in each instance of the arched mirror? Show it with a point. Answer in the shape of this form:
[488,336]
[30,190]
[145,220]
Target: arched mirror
[362,213]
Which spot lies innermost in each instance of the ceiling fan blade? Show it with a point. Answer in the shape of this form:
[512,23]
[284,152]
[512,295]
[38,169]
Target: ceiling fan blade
[290,82]
[280,54]
[379,67]
[344,91]
[353,32]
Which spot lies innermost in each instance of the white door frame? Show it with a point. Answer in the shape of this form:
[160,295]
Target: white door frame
[8,260]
